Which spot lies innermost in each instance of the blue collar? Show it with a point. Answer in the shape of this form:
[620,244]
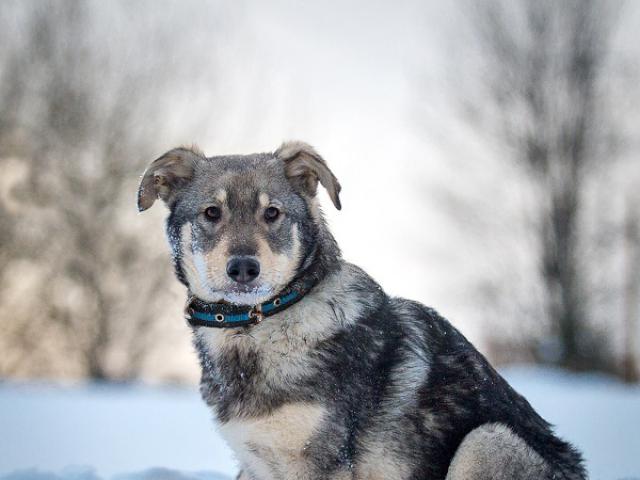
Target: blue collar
[226,315]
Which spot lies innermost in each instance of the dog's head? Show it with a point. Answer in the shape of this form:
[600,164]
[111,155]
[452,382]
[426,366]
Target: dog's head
[241,227]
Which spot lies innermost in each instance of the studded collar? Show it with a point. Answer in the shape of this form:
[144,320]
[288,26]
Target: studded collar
[227,315]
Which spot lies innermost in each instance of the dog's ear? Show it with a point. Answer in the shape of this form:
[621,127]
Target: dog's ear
[166,174]
[304,167]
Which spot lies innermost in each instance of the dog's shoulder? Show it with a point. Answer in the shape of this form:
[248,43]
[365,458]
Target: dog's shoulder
[423,327]
[354,292]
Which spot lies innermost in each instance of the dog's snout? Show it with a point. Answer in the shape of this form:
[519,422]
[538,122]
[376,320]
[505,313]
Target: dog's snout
[243,269]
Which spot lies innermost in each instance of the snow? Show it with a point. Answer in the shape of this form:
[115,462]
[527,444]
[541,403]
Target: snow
[598,414]
[87,473]
[112,429]
[125,432]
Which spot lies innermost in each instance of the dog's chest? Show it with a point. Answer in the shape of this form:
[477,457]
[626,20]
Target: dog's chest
[276,353]
[273,446]
[270,365]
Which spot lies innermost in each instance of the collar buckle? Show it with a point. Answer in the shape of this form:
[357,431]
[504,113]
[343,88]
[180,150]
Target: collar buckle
[256,313]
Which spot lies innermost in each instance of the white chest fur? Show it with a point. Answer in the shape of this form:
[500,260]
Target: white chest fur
[272,446]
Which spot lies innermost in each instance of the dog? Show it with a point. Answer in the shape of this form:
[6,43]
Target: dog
[311,370]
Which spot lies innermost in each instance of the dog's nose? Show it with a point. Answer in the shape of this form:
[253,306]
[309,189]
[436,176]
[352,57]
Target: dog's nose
[243,269]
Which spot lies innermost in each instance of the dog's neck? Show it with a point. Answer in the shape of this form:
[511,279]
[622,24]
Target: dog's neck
[245,368]
[226,315]
[323,259]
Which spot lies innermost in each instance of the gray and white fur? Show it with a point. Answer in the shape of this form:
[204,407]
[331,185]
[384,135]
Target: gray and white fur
[348,383]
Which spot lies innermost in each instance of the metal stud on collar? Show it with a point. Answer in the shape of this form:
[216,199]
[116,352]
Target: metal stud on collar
[219,317]
[277,302]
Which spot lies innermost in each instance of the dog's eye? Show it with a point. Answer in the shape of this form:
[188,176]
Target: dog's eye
[271,213]
[213,213]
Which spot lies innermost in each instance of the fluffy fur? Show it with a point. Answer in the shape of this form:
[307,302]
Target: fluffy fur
[349,383]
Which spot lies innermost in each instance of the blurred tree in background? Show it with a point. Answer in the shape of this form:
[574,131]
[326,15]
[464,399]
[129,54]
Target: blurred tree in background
[545,89]
[81,95]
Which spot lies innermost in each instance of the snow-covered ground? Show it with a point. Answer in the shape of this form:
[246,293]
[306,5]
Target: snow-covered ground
[124,432]
[599,415]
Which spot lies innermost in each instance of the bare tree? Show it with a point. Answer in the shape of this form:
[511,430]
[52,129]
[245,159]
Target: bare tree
[543,70]
[83,119]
